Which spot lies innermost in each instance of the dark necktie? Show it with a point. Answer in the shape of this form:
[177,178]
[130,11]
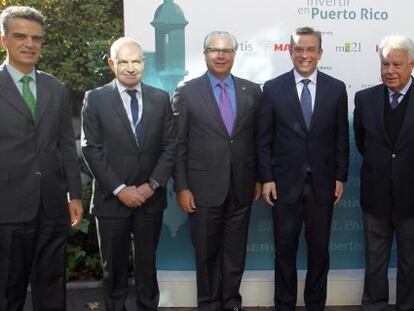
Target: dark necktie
[306,102]
[28,95]
[226,110]
[135,112]
[394,101]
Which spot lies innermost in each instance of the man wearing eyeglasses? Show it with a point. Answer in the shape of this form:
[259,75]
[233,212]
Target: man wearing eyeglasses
[303,151]
[129,145]
[215,117]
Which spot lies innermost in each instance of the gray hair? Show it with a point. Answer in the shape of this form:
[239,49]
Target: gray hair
[24,12]
[121,41]
[396,42]
[306,31]
[218,33]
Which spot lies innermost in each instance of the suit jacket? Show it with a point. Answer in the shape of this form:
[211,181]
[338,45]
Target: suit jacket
[287,149]
[208,158]
[38,161]
[111,151]
[387,172]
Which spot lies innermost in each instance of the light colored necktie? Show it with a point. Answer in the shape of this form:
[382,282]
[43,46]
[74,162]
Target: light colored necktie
[226,110]
[28,95]
[394,102]
[306,102]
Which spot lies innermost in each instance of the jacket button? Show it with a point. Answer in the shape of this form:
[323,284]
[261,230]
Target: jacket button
[39,174]
[393,155]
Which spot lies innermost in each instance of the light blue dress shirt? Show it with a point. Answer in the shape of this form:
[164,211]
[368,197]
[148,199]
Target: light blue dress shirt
[229,81]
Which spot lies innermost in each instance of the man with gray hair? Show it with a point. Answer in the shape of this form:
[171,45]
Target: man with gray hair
[40,187]
[384,134]
[215,116]
[129,145]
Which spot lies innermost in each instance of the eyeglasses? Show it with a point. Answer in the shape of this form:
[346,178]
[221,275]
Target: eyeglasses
[218,51]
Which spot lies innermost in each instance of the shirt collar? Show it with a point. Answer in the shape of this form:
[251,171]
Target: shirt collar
[214,80]
[298,77]
[122,88]
[17,75]
[404,90]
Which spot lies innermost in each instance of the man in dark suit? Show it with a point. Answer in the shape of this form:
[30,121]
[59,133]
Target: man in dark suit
[384,134]
[40,186]
[215,176]
[303,151]
[128,142]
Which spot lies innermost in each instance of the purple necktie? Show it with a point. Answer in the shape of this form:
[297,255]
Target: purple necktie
[226,109]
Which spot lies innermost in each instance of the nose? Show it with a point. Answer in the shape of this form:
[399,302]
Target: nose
[28,42]
[391,69]
[130,67]
[305,53]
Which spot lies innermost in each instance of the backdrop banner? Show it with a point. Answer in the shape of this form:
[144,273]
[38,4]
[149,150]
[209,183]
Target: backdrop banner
[172,33]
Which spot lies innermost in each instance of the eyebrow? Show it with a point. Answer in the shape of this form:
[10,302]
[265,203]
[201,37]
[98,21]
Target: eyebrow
[26,35]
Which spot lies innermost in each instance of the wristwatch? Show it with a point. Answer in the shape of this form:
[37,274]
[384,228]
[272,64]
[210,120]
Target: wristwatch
[153,184]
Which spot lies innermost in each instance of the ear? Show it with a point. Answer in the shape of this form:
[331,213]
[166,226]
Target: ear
[111,64]
[290,51]
[3,42]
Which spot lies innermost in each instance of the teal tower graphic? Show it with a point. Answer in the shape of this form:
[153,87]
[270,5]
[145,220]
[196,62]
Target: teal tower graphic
[165,67]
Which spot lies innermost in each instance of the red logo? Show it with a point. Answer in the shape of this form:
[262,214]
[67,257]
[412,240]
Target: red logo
[281,47]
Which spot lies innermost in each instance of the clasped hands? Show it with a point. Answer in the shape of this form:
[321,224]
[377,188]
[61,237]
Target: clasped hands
[135,196]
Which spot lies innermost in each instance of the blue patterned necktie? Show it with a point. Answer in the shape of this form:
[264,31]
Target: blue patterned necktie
[306,102]
[394,102]
[226,110]
[28,95]
[135,112]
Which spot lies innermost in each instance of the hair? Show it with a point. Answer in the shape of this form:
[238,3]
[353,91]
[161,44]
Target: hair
[121,41]
[396,42]
[215,33]
[24,12]
[305,31]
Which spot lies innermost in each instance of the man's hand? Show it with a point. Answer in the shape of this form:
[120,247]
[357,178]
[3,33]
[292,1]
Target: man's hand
[339,190]
[131,197]
[145,191]
[76,212]
[257,191]
[186,201]
[269,193]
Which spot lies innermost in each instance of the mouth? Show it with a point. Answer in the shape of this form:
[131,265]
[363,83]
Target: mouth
[391,79]
[29,53]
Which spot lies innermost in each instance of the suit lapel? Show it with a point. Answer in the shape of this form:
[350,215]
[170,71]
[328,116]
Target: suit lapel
[207,93]
[379,113]
[114,99]
[293,97]
[147,108]
[321,96]
[409,116]
[240,103]
[11,94]
[42,96]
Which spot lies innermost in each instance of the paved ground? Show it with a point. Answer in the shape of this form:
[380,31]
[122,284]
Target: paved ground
[84,300]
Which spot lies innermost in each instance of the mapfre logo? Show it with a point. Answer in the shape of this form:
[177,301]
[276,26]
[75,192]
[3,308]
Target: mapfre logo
[281,47]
